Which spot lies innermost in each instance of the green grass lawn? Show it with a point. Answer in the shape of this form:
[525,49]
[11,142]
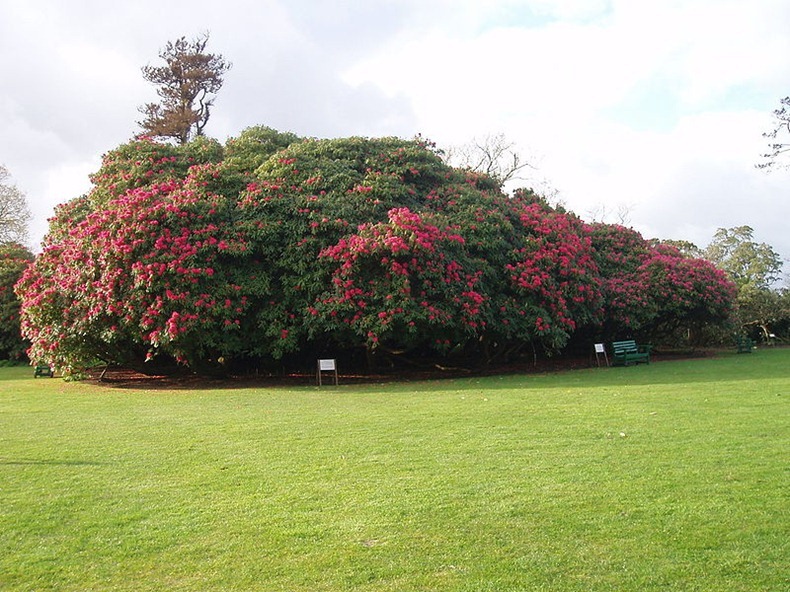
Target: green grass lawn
[672,476]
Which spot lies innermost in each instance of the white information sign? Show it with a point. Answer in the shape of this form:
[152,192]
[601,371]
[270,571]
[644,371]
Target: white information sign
[327,365]
[600,349]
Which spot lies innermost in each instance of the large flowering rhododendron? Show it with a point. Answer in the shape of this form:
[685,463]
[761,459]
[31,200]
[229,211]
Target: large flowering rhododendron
[652,290]
[268,247]
[150,273]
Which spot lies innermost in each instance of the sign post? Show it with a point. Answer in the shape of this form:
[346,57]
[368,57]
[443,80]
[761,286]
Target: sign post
[326,366]
[600,349]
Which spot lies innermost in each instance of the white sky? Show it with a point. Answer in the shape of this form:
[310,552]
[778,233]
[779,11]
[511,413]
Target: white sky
[655,106]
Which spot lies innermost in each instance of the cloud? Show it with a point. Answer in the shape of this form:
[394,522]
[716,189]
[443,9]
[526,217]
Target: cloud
[655,106]
[77,82]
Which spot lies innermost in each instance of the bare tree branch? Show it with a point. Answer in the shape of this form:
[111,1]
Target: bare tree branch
[14,212]
[773,157]
[492,155]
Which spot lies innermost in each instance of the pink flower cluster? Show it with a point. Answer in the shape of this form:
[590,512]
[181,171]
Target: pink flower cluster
[143,269]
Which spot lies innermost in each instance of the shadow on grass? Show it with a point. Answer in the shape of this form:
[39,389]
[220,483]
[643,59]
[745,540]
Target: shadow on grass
[50,462]
[725,366]
[766,363]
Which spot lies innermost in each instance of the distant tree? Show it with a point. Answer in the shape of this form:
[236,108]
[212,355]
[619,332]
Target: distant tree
[781,128]
[14,258]
[14,213]
[747,262]
[763,312]
[187,85]
[755,268]
[781,326]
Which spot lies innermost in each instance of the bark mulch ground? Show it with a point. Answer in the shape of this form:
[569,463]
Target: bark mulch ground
[129,378]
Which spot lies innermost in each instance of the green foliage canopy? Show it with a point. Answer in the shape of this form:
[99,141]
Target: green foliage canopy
[755,268]
[747,262]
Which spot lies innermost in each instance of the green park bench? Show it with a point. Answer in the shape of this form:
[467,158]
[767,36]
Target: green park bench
[43,370]
[628,352]
[744,345]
